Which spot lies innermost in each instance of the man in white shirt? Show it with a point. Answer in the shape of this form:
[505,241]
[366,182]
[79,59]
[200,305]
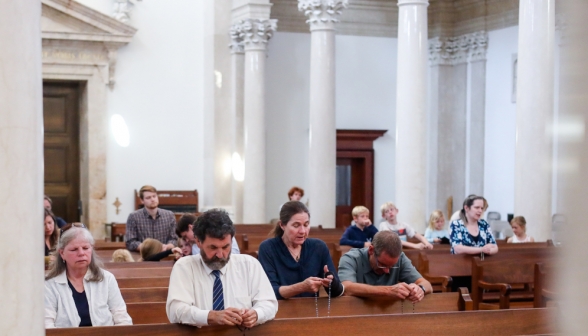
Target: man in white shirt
[216,287]
[404,231]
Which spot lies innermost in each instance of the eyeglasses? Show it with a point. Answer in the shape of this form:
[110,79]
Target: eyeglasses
[383,267]
[70,225]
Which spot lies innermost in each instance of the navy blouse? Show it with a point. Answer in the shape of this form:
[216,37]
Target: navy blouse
[283,270]
[82,306]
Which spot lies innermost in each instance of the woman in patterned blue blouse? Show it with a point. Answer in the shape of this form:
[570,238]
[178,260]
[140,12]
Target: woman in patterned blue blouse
[470,234]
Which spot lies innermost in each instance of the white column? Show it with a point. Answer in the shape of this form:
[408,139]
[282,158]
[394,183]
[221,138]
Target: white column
[534,116]
[256,34]
[237,73]
[21,168]
[322,153]
[411,111]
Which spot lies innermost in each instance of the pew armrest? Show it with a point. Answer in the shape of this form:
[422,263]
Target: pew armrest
[444,281]
[465,302]
[503,288]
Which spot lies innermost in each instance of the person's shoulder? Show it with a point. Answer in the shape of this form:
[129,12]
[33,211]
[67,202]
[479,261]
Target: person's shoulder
[354,253]
[136,213]
[456,223]
[188,261]
[270,243]
[244,260]
[163,212]
[315,243]
[482,223]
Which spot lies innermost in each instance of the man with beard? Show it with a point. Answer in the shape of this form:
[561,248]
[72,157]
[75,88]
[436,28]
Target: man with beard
[150,222]
[215,287]
[382,269]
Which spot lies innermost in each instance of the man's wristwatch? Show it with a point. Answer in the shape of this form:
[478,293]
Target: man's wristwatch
[423,288]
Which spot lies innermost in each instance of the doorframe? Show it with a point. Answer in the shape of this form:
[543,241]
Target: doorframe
[359,144]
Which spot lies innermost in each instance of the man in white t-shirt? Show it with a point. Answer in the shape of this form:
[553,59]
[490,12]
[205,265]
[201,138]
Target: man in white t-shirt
[404,231]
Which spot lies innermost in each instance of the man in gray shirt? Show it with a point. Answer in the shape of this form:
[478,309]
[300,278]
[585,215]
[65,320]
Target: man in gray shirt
[382,270]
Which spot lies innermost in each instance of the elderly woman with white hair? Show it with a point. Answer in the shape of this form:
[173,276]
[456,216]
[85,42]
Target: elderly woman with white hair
[78,292]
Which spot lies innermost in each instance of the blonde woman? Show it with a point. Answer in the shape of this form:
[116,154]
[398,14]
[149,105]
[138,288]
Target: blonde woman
[153,250]
[436,229]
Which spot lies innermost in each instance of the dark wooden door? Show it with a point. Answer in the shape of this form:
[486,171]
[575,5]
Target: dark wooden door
[62,150]
[354,181]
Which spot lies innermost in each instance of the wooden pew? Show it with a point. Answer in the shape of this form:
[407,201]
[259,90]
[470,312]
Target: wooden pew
[143,282]
[500,322]
[147,294]
[140,272]
[543,284]
[154,312]
[439,267]
[111,246]
[499,275]
[147,264]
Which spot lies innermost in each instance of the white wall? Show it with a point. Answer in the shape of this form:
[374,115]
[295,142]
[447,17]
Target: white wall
[366,99]
[500,121]
[158,90]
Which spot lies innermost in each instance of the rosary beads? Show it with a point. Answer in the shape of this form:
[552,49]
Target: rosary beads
[328,302]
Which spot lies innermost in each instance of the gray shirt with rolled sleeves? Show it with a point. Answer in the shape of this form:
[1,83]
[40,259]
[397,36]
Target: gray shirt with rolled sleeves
[355,266]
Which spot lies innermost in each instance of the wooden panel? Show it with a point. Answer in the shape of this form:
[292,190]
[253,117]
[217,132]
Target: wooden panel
[54,116]
[61,147]
[500,322]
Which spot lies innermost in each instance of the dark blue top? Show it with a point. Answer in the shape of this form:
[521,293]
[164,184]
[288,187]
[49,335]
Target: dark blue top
[357,237]
[82,306]
[60,222]
[283,270]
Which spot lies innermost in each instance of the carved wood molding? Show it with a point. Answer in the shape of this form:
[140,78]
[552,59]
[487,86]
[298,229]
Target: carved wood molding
[358,139]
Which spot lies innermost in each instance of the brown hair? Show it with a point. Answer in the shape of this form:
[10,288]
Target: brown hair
[295,189]
[122,255]
[184,222]
[288,210]
[150,247]
[469,201]
[389,242]
[521,221]
[54,238]
[48,199]
[146,188]
[58,265]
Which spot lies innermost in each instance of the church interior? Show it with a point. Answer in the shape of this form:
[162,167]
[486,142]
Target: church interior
[230,103]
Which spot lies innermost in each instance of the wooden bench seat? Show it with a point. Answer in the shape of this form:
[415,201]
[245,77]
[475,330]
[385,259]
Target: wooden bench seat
[143,282]
[154,312]
[500,322]
[147,264]
[141,272]
[147,294]
[498,275]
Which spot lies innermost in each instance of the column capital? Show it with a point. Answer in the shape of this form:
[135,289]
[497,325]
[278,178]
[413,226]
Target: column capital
[413,2]
[236,34]
[322,13]
[456,50]
[255,33]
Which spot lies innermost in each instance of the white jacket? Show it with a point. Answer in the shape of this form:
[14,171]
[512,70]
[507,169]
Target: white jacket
[104,300]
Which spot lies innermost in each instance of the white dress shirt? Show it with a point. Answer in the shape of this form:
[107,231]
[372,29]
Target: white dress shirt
[245,285]
[234,248]
[107,306]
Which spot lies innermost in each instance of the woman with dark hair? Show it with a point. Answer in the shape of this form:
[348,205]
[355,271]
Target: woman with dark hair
[297,266]
[471,234]
[78,292]
[51,232]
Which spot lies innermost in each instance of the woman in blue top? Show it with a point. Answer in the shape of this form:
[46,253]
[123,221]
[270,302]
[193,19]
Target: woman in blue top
[297,266]
[470,234]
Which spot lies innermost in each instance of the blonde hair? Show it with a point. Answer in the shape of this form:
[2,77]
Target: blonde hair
[358,210]
[122,255]
[386,206]
[435,216]
[150,247]
[521,221]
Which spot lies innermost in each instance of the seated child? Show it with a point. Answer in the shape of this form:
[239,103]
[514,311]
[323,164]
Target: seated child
[403,230]
[361,234]
[185,247]
[519,228]
[151,250]
[122,255]
[436,229]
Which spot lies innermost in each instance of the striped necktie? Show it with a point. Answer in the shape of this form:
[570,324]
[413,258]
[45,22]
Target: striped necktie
[218,301]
